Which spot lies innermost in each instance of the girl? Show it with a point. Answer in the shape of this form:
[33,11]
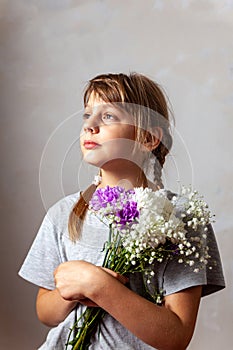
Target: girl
[125,132]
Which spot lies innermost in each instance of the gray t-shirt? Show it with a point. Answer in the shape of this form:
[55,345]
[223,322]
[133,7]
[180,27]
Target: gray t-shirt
[52,247]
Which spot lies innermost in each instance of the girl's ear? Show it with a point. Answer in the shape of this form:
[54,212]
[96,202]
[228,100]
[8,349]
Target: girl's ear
[153,138]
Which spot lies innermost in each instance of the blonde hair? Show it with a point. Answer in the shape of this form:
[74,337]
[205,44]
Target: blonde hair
[145,100]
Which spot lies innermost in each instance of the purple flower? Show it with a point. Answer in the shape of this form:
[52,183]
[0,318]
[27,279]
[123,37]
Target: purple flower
[104,196]
[128,213]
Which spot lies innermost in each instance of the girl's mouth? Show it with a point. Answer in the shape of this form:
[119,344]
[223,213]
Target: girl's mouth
[90,144]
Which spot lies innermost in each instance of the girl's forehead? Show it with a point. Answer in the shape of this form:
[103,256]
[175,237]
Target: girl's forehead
[94,101]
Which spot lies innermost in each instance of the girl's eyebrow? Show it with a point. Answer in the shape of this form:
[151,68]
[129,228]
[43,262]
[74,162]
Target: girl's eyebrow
[87,109]
[99,107]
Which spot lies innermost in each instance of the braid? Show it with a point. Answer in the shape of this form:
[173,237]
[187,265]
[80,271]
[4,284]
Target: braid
[158,173]
[160,154]
[78,213]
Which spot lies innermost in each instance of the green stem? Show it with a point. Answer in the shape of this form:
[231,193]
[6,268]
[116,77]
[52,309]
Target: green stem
[92,317]
[109,242]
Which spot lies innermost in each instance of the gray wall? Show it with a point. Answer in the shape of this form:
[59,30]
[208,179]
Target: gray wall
[49,49]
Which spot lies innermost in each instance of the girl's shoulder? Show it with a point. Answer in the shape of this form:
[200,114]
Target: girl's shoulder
[65,201]
[60,210]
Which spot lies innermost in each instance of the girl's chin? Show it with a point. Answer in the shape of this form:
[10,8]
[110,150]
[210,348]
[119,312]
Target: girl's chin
[93,162]
[117,158]
[113,164]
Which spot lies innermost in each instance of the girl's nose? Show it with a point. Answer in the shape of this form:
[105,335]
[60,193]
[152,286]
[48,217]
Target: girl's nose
[91,129]
[91,124]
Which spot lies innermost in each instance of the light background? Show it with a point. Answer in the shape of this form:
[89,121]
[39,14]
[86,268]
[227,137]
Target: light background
[49,49]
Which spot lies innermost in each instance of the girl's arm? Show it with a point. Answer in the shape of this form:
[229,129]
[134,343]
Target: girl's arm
[169,327]
[52,309]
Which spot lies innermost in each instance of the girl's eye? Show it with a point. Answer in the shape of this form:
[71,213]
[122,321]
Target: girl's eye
[86,116]
[108,117]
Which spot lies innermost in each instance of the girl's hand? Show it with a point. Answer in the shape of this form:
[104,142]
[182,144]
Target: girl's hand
[120,278]
[74,279]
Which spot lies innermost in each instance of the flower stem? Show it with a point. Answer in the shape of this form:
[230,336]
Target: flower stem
[92,317]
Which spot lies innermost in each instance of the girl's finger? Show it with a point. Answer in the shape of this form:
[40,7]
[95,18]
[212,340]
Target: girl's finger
[122,278]
[118,276]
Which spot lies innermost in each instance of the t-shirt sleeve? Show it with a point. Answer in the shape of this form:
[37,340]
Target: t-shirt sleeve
[43,256]
[178,276]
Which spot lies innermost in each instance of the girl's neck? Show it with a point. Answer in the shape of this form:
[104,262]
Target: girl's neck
[125,176]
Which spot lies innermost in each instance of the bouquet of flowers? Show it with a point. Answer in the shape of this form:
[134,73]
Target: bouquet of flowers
[144,227]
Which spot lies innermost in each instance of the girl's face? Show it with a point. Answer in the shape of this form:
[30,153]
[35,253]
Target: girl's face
[108,134]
